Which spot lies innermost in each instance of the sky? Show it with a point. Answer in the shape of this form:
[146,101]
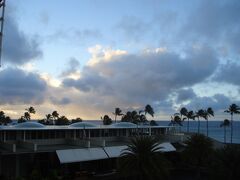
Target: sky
[84,58]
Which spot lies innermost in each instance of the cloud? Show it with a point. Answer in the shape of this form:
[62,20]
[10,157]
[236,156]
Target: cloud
[18,47]
[218,102]
[79,36]
[60,101]
[228,73]
[133,28]
[72,67]
[144,77]
[215,22]
[185,95]
[18,87]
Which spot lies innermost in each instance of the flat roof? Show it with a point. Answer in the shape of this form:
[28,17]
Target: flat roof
[30,125]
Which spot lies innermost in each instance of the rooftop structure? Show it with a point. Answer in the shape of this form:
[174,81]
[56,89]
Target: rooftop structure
[78,142]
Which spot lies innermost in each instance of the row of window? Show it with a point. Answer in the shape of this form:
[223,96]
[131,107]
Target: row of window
[79,134]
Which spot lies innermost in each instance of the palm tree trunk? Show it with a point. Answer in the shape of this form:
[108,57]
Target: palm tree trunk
[231,127]
[115,118]
[207,127]
[224,134]
[188,125]
[198,126]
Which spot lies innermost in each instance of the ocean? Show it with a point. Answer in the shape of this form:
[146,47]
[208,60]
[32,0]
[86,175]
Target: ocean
[214,129]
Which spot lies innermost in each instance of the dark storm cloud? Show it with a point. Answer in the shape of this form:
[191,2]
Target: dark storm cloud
[18,47]
[145,77]
[185,94]
[228,73]
[18,86]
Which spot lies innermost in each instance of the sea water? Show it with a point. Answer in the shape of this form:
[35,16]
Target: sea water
[214,129]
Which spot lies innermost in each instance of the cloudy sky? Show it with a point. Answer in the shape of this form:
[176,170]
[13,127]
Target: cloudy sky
[83,58]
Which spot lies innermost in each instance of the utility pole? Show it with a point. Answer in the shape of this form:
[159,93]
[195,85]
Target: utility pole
[2,10]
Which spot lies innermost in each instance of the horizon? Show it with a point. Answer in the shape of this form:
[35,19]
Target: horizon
[84,58]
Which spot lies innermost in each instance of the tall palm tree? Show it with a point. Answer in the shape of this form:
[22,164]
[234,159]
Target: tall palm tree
[142,160]
[190,115]
[2,117]
[233,109]
[199,113]
[149,110]
[55,116]
[118,112]
[224,124]
[31,110]
[106,120]
[208,113]
[177,120]
[27,115]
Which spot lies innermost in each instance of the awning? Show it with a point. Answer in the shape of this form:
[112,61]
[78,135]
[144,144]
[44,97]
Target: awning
[166,147]
[80,155]
[89,154]
[114,151]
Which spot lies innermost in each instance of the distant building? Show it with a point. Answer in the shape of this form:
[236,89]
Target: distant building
[30,145]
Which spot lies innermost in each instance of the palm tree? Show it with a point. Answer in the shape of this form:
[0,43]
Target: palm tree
[225,123]
[118,112]
[142,159]
[233,109]
[2,117]
[176,120]
[208,113]
[189,115]
[106,120]
[127,117]
[27,115]
[149,110]
[31,110]
[199,113]
[198,153]
[55,116]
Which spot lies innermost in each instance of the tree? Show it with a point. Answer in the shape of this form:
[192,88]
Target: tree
[176,120]
[149,110]
[233,109]
[76,120]
[198,153]
[127,117]
[27,114]
[208,113]
[2,117]
[31,110]
[4,120]
[142,160]
[198,114]
[55,116]
[63,120]
[226,163]
[189,115]
[224,124]
[106,120]
[118,112]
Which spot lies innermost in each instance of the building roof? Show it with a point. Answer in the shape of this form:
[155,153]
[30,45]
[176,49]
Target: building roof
[29,124]
[124,125]
[83,125]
